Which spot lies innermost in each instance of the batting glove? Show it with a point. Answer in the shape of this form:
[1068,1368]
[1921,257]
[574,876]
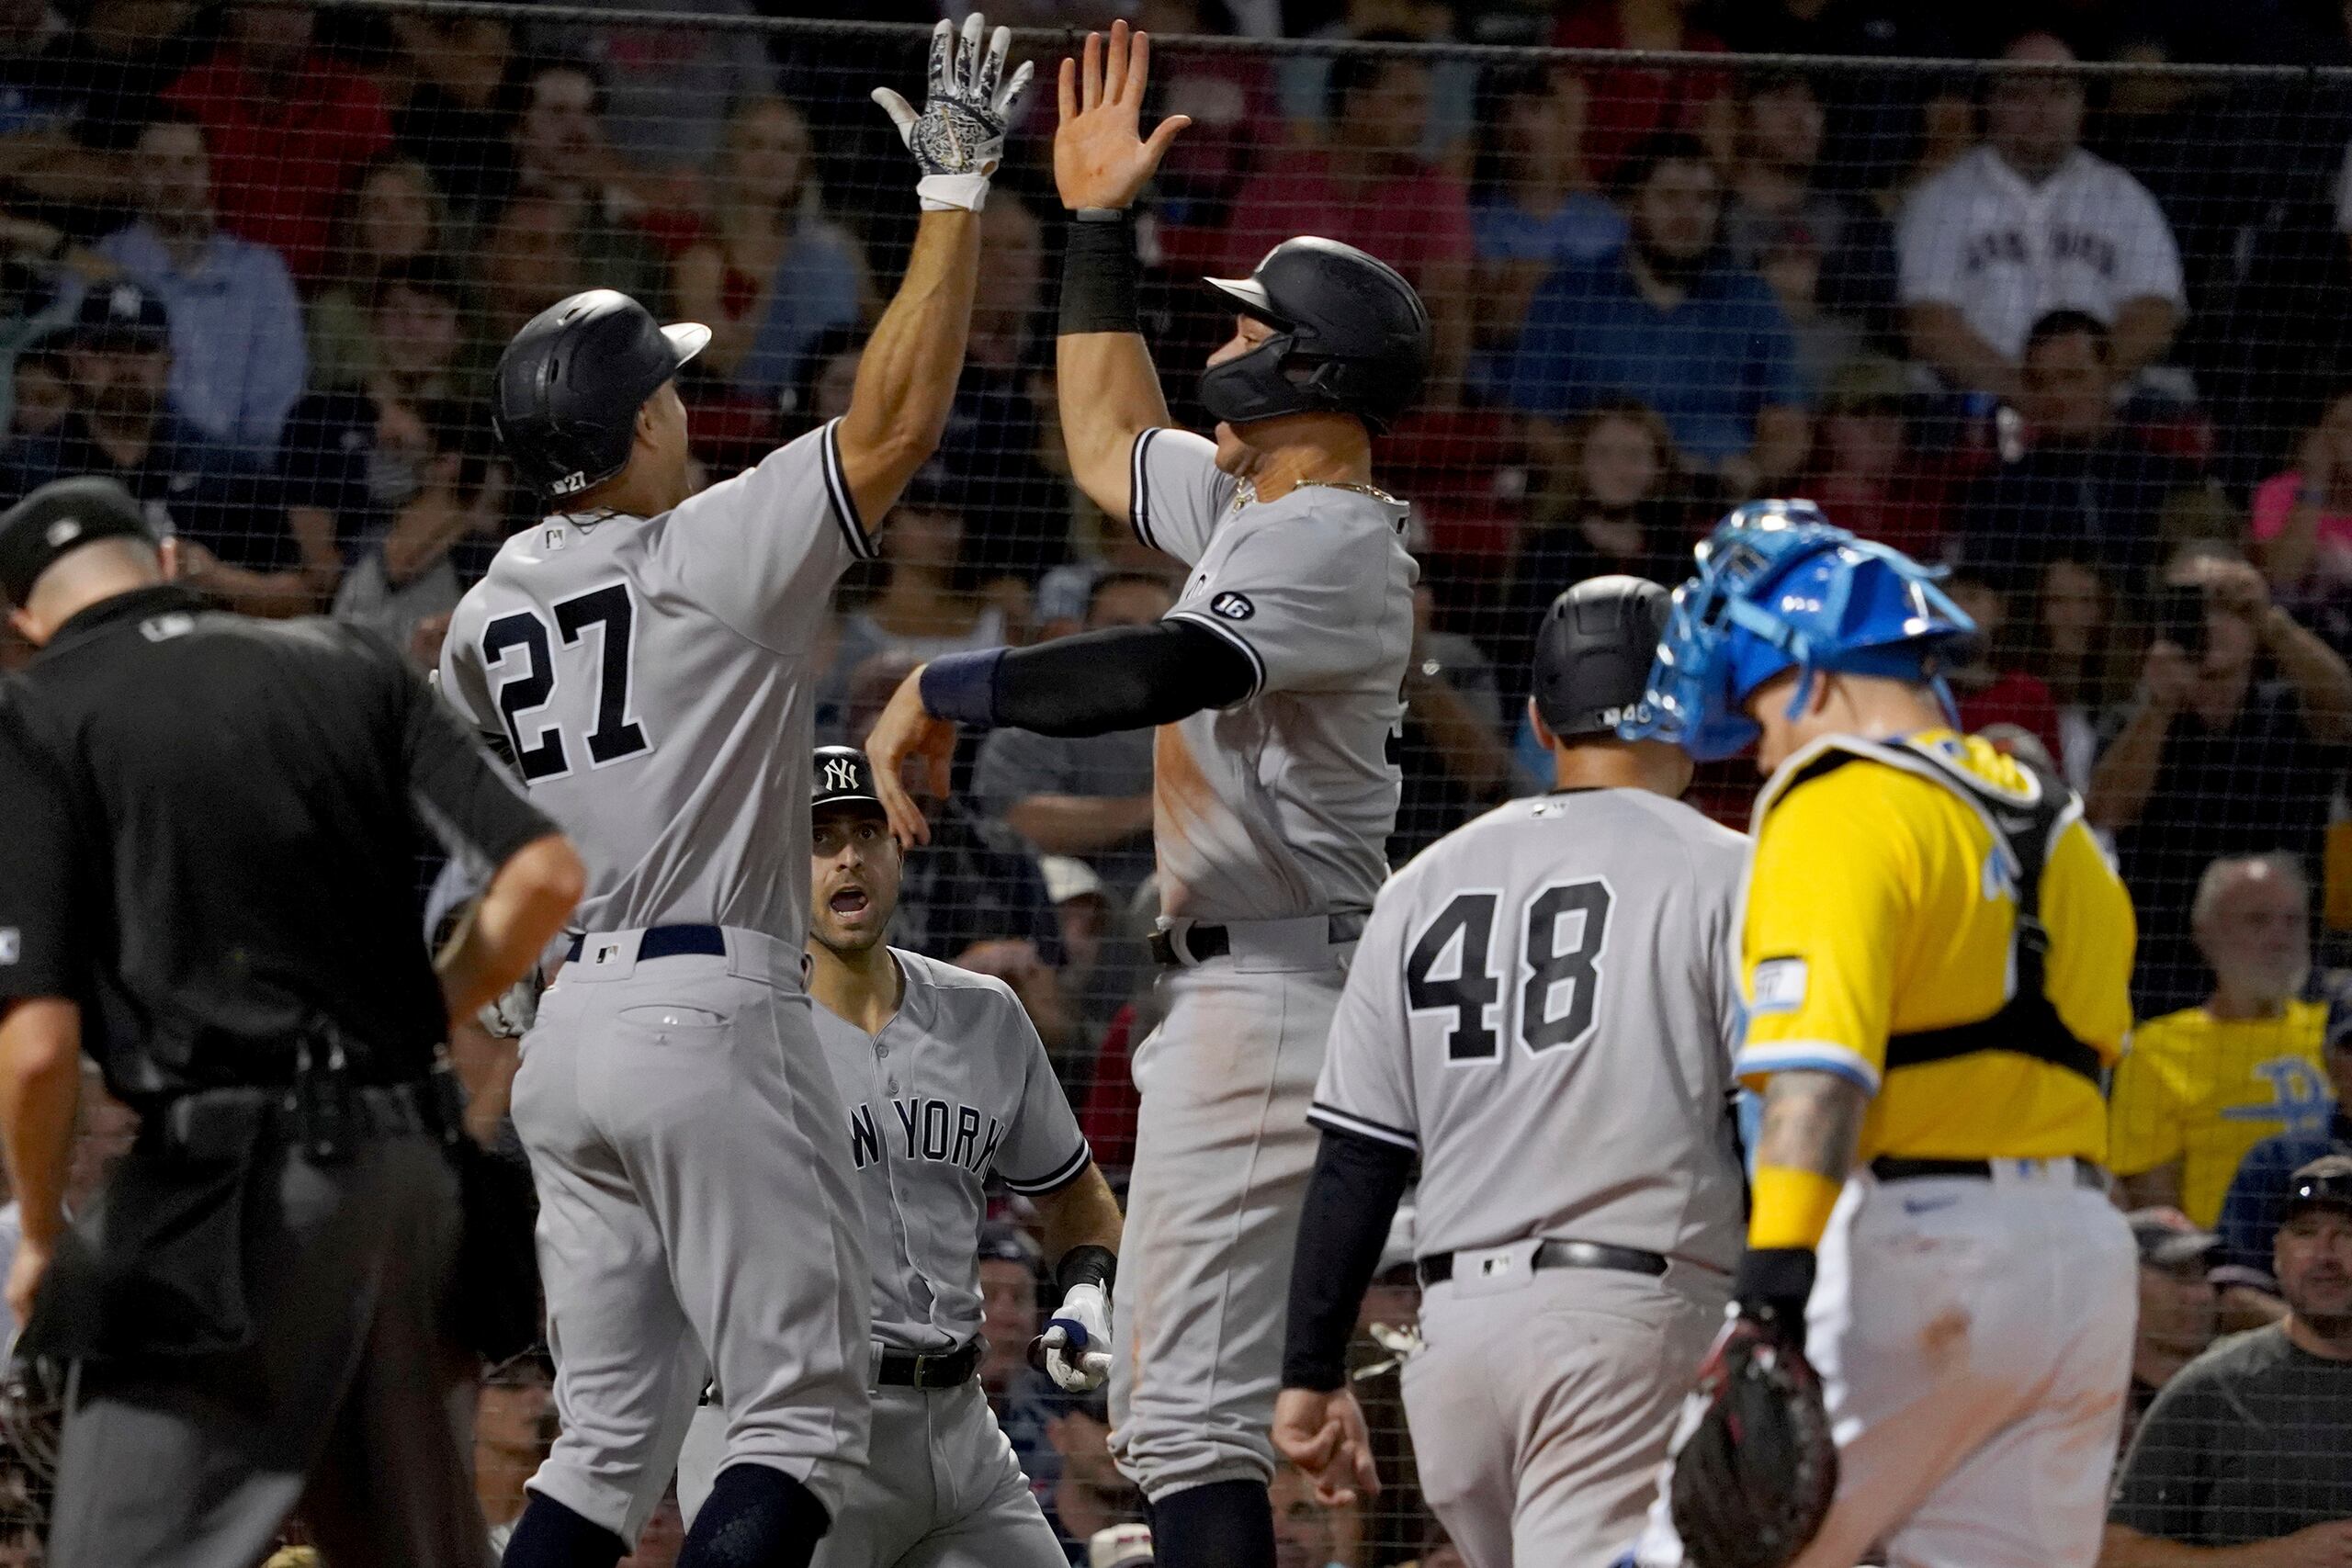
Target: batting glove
[515,1010]
[1077,1341]
[959,139]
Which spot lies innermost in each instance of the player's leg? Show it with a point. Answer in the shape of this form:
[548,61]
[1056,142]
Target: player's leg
[1458,1405]
[987,1515]
[2034,1496]
[727,1123]
[1223,1155]
[1601,1362]
[628,1364]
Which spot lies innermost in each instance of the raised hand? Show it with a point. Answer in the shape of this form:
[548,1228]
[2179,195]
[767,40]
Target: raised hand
[959,136]
[1100,159]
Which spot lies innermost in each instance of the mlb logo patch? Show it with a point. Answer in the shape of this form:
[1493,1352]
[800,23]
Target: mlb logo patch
[11,944]
[1233,606]
[1779,986]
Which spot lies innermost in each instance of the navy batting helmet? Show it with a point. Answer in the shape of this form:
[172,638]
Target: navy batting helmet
[1350,336]
[568,387]
[1593,654]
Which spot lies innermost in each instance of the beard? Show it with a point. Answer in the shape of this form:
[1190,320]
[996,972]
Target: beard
[1671,268]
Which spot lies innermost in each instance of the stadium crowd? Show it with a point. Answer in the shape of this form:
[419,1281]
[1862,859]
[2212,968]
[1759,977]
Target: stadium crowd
[2082,338]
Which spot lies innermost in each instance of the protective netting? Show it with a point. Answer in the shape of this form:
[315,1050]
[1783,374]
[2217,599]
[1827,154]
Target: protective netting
[2079,332]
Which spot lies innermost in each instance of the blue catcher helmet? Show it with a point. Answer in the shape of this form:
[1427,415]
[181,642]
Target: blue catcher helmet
[1780,588]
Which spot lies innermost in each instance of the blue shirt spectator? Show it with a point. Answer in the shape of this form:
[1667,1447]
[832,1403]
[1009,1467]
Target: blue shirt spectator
[1583,228]
[2257,1196]
[1668,320]
[238,357]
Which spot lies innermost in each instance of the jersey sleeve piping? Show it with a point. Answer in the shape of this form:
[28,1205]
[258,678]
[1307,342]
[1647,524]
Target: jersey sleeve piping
[1257,665]
[1333,1119]
[1806,1055]
[1061,1176]
[1139,489]
[852,526]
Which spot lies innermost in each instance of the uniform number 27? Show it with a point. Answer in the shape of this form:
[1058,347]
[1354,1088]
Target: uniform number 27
[612,611]
[1451,969]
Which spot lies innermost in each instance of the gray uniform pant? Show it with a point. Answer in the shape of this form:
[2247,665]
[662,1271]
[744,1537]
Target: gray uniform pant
[1223,1153]
[695,1214]
[940,1488]
[1542,1403]
[347,1403]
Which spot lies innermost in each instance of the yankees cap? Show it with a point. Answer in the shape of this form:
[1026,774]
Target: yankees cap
[841,776]
[59,518]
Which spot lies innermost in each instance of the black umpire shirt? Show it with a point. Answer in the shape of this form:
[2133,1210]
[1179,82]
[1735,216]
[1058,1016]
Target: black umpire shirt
[208,831]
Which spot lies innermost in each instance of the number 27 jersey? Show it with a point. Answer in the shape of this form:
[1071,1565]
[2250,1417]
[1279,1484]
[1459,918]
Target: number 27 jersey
[653,680]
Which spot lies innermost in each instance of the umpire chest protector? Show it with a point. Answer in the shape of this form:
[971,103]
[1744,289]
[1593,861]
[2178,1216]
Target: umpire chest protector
[2024,830]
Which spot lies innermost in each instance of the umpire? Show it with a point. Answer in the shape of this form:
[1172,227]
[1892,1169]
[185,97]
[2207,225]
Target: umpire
[211,856]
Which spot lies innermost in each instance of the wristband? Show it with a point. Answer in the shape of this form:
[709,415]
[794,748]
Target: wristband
[1099,278]
[961,687]
[1086,1264]
[1772,1287]
[952,193]
[1791,1207]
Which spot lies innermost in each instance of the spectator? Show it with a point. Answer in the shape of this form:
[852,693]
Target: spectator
[994,431]
[1669,321]
[1776,199]
[240,539]
[1084,796]
[1789,259]
[97,83]
[1371,190]
[1629,104]
[556,151]
[2085,484]
[2257,1194]
[1993,684]
[773,271]
[238,358]
[1534,206]
[437,499]
[1451,749]
[2029,223]
[2073,605]
[454,113]
[927,605]
[2204,1085]
[2246,1445]
[288,126]
[2302,518]
[2218,758]
[532,256]
[2180,1310]
[1612,468]
[1866,474]
[674,83]
[515,1424]
[1307,1534]
[1089,1494]
[392,216]
[42,396]
[1232,101]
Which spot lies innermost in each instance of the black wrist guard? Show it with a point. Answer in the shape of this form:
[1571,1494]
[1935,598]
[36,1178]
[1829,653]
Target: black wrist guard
[1085,1264]
[1099,278]
[1772,1287]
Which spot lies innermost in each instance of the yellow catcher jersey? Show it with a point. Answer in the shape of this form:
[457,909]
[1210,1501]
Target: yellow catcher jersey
[2203,1090]
[1881,920]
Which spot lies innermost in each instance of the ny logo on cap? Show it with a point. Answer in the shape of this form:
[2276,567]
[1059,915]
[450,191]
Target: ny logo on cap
[63,530]
[841,775]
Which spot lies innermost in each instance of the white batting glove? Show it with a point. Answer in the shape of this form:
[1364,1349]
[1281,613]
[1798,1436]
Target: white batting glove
[959,139]
[516,1008]
[1077,1341]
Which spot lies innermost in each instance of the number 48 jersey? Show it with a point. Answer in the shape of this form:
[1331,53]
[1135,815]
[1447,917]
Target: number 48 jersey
[1545,1006]
[653,680]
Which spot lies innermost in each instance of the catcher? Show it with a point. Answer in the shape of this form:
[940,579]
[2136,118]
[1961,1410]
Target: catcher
[1934,963]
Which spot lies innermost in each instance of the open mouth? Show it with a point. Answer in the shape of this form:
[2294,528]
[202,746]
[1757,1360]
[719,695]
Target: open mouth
[849,901]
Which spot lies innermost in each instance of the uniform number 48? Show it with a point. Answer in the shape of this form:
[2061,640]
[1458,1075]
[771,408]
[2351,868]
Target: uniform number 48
[521,640]
[1451,969]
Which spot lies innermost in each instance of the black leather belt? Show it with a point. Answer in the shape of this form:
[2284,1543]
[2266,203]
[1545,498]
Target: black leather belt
[951,1369]
[1887,1167]
[668,942]
[208,1122]
[1438,1267]
[1204,942]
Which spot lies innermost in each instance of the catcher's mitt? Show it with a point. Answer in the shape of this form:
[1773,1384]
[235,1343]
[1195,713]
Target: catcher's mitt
[1754,1467]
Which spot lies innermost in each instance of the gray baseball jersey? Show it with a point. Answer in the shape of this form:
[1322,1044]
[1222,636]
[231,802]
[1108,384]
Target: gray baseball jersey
[652,679]
[1280,806]
[956,1088]
[1544,1005]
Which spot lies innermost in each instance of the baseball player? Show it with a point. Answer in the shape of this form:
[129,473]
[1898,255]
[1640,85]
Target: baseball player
[1934,961]
[1276,680]
[946,1085]
[644,655]
[1555,976]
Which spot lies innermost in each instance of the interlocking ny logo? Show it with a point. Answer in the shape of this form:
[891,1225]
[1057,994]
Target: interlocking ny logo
[841,776]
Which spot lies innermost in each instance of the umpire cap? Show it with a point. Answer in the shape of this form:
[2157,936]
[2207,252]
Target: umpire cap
[1350,336]
[841,776]
[568,387]
[1593,654]
[59,518]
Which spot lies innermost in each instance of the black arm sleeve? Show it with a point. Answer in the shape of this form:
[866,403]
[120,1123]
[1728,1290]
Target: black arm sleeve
[463,796]
[1350,1200]
[1121,678]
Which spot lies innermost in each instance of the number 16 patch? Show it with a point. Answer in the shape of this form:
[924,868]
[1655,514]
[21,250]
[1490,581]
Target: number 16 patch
[1777,985]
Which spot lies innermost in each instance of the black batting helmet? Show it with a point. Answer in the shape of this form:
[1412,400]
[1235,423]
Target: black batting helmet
[1350,336]
[570,384]
[1593,654]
